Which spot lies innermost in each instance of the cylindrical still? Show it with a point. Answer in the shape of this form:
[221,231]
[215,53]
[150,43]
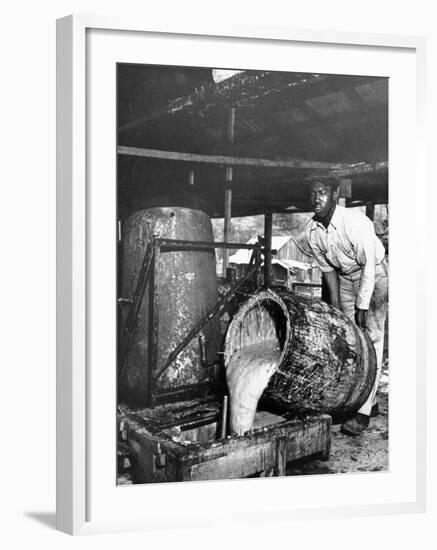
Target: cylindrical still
[299,354]
[185,290]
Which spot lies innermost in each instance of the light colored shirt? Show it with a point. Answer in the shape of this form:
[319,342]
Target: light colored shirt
[348,244]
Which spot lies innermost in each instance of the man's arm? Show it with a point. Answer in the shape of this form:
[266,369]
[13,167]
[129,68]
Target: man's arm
[364,242]
[331,279]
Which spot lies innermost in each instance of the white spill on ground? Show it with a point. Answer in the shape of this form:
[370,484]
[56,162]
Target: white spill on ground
[248,373]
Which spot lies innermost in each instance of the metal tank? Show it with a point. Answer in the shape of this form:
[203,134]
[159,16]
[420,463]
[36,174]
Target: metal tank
[185,290]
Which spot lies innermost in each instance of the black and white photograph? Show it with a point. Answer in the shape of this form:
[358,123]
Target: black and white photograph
[219,309]
[252,273]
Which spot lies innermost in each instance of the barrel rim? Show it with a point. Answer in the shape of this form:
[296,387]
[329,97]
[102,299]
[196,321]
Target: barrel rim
[263,295]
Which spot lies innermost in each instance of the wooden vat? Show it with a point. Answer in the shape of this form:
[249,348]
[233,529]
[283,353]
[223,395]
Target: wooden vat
[185,289]
[326,363]
[178,442]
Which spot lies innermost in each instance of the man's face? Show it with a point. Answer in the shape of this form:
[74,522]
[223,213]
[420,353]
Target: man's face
[323,200]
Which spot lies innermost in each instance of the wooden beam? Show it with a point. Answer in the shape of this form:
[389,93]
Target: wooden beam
[359,169]
[231,161]
[268,231]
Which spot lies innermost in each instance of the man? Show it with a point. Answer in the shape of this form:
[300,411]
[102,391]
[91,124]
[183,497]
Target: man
[352,260]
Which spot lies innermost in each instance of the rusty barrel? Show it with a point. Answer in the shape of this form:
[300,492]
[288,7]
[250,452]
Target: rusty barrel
[185,290]
[325,362]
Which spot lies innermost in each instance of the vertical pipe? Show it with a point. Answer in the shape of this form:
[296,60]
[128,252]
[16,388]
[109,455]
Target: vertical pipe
[228,189]
[152,337]
[224,417]
[268,227]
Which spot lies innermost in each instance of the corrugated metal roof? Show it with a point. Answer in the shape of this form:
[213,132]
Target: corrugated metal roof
[331,104]
[290,117]
[278,115]
[374,93]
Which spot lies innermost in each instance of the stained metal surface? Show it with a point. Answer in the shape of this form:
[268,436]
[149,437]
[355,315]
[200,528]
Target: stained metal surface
[326,363]
[184,290]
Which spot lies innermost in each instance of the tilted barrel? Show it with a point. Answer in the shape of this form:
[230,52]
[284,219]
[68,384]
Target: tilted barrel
[185,290]
[323,361]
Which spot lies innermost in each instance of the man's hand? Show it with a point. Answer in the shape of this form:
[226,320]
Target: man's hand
[361,318]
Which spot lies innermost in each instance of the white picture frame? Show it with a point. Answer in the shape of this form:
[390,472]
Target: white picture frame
[73,298]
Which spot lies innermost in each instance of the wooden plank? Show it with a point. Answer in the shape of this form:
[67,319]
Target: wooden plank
[240,463]
[310,439]
[230,160]
[340,169]
[289,428]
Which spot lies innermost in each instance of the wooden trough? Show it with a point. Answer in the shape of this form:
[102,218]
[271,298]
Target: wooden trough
[178,442]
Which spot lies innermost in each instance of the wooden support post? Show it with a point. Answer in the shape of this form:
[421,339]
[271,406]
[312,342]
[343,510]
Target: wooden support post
[268,228]
[345,192]
[258,275]
[228,190]
[370,210]
[227,226]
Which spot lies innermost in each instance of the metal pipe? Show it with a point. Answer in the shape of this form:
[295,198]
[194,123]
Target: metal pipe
[224,417]
[145,274]
[181,244]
